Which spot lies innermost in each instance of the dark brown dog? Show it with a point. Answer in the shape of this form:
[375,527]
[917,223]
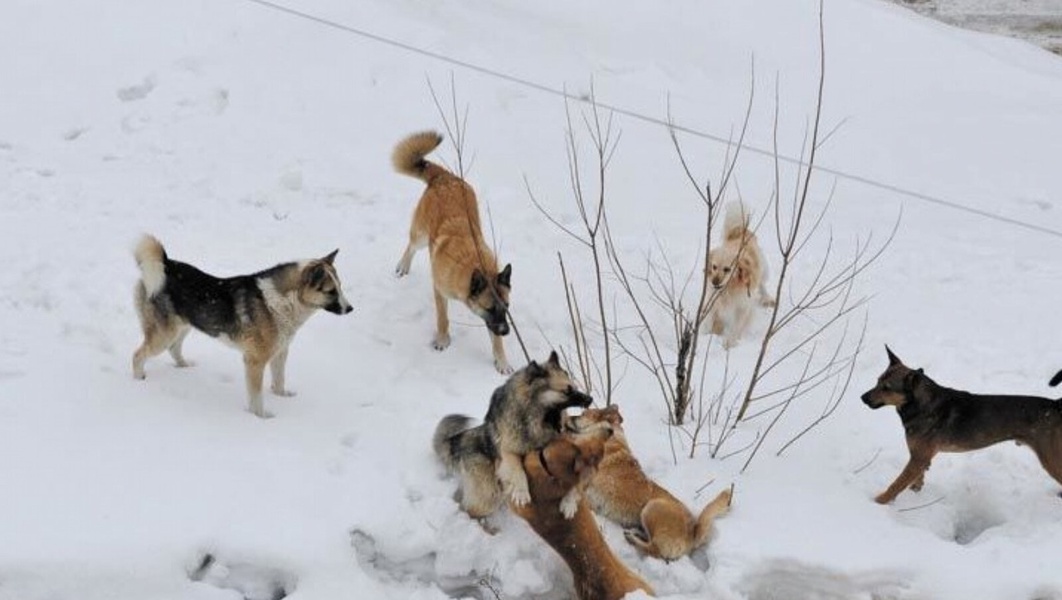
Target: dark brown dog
[569,462]
[939,419]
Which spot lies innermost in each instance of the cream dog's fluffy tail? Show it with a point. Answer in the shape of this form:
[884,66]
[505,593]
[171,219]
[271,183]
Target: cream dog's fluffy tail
[151,258]
[736,222]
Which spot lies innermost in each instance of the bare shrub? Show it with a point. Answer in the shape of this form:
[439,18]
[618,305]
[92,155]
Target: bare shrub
[815,329]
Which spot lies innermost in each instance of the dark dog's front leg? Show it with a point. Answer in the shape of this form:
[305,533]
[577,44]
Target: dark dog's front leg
[913,474]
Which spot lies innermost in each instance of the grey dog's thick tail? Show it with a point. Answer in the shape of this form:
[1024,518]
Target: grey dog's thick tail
[448,427]
[1056,379]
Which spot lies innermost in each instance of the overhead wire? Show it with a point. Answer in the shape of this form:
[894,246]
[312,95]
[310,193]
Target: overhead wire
[562,93]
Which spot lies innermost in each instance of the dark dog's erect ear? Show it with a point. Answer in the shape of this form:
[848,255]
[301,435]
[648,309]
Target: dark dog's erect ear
[912,378]
[554,360]
[331,258]
[505,276]
[892,357]
[478,283]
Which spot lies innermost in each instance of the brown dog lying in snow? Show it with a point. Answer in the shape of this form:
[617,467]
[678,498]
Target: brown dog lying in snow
[656,522]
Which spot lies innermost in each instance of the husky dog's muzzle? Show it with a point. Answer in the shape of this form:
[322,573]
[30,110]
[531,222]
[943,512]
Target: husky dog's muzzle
[339,306]
[577,398]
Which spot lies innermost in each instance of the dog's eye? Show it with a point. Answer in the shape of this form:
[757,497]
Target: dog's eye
[726,269]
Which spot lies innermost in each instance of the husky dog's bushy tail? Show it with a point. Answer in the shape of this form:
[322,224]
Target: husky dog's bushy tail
[447,428]
[408,157]
[151,258]
[736,221]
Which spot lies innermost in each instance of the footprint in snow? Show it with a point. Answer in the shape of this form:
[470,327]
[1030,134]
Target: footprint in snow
[420,569]
[74,133]
[253,582]
[138,91]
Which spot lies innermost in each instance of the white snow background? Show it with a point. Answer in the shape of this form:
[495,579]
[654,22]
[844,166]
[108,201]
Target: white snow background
[242,137]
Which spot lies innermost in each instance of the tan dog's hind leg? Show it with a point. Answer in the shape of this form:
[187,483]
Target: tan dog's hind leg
[911,474]
[667,530]
[416,242]
[276,371]
[513,478]
[442,323]
[254,369]
[501,362]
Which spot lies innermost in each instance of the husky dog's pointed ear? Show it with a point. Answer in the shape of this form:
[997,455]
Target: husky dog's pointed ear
[477,284]
[554,360]
[614,416]
[505,275]
[331,258]
[314,274]
[535,370]
[893,360]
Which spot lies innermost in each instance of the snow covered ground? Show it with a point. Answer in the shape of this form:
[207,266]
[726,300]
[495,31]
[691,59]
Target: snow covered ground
[243,136]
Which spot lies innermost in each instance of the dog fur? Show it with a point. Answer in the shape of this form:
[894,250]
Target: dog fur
[463,267]
[737,272]
[655,522]
[525,414]
[258,313]
[567,464]
[939,419]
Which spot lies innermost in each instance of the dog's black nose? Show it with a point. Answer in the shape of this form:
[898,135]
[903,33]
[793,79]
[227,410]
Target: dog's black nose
[580,399]
[868,399]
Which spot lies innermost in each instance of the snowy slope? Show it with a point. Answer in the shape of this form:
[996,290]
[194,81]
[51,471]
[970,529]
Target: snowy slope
[243,137]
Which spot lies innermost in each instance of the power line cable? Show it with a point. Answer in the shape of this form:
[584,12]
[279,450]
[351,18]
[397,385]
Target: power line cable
[653,120]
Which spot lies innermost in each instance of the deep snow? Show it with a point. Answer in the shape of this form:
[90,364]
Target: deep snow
[243,137]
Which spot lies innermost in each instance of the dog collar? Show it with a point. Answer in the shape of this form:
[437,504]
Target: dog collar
[545,466]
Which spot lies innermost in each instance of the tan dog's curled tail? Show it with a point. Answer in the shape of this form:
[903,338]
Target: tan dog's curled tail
[736,221]
[151,258]
[720,505]
[408,157]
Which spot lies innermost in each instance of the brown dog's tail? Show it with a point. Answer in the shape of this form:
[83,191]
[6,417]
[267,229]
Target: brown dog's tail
[151,258]
[408,157]
[718,506]
[1056,379]
[736,222]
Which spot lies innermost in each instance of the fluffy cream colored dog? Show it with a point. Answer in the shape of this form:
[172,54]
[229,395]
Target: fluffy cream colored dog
[737,271]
